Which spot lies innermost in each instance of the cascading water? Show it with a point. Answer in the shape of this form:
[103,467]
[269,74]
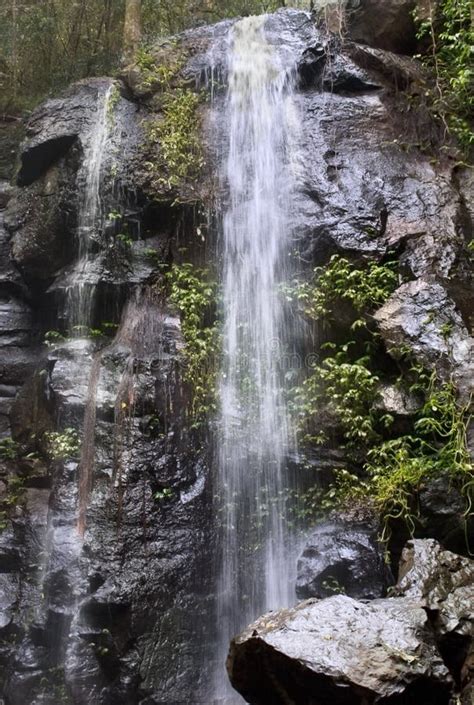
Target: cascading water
[80,293]
[255,435]
[66,527]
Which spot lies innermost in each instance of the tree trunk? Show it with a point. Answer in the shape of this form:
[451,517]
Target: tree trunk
[132,28]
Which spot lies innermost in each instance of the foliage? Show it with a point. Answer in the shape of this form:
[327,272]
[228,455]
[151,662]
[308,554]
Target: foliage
[160,68]
[365,287]
[450,36]
[46,45]
[397,468]
[344,387]
[13,497]
[347,388]
[176,135]
[62,445]
[193,294]
[53,338]
[9,449]
[165,494]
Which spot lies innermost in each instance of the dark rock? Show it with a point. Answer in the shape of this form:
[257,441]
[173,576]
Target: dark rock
[41,219]
[9,588]
[10,552]
[15,321]
[442,514]
[342,557]
[441,581]
[386,24]
[55,125]
[399,71]
[311,67]
[339,651]
[125,612]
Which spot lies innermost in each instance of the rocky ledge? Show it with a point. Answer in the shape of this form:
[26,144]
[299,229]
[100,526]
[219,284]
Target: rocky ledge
[412,648]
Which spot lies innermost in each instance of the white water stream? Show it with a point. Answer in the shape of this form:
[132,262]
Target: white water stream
[80,293]
[256,566]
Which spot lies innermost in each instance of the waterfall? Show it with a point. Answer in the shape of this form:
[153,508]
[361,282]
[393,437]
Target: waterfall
[80,293]
[255,571]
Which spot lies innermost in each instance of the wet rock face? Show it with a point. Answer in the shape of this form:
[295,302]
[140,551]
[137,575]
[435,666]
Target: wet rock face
[342,557]
[421,315]
[54,127]
[412,649]
[133,595]
[385,24]
[442,581]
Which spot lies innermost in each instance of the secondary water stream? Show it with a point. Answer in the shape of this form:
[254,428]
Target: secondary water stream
[80,293]
[255,569]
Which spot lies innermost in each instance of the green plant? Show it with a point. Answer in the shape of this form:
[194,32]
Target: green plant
[193,294]
[112,104]
[332,585]
[347,388]
[365,287]
[62,444]
[446,330]
[13,497]
[160,68]
[164,494]
[9,449]
[176,135]
[396,469]
[53,338]
[125,239]
[448,29]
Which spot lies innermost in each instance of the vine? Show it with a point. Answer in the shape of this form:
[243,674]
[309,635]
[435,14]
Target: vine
[192,292]
[342,391]
[449,33]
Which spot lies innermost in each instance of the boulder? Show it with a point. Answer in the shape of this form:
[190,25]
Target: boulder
[421,315]
[342,557]
[340,651]
[442,582]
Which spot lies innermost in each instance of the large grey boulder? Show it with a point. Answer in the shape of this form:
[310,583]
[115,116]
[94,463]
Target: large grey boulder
[342,557]
[340,651]
[414,647]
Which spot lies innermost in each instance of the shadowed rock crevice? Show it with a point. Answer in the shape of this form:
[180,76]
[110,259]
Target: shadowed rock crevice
[37,160]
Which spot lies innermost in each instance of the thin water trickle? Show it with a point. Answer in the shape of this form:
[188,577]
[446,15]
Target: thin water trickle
[80,293]
[256,571]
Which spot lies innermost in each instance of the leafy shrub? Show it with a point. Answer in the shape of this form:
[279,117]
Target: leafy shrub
[62,445]
[365,287]
[450,35]
[193,294]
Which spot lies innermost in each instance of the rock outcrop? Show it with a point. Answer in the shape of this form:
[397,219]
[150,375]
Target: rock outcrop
[342,556]
[123,615]
[392,650]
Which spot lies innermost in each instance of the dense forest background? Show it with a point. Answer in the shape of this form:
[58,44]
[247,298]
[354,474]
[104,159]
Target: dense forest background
[46,44]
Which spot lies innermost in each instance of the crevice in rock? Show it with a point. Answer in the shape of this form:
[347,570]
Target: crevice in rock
[35,161]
